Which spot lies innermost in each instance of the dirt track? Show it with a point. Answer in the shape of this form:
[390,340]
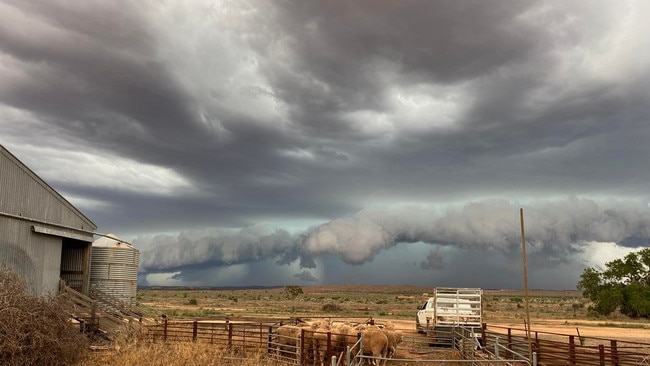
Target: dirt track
[587,328]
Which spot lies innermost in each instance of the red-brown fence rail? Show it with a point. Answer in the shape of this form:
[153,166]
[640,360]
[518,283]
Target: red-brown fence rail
[239,334]
[243,336]
[563,349]
[551,349]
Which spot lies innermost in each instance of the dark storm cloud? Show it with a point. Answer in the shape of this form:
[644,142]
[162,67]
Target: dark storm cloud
[347,55]
[93,71]
[203,116]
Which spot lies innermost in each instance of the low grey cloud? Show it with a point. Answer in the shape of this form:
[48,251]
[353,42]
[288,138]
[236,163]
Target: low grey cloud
[555,232]
[305,276]
[434,260]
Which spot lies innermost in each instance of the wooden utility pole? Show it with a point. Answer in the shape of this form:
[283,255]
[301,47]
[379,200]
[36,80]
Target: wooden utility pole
[523,254]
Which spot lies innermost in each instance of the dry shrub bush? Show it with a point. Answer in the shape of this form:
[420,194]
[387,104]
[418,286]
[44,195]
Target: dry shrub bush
[332,308]
[35,330]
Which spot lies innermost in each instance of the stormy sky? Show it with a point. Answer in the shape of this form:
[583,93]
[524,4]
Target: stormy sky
[324,142]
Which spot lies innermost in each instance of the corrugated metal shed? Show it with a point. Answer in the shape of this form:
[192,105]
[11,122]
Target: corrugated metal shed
[39,229]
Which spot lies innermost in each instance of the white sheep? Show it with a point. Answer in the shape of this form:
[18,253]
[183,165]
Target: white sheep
[394,338]
[317,336]
[375,342]
[286,338]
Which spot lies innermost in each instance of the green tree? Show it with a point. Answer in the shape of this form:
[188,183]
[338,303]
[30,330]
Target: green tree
[624,285]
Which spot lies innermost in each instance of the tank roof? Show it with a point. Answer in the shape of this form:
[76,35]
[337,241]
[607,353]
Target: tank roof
[112,241]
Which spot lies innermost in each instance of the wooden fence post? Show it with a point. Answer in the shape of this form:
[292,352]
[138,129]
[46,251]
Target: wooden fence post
[229,335]
[94,320]
[329,351]
[601,354]
[572,350]
[195,330]
[269,343]
[614,353]
[302,349]
[165,330]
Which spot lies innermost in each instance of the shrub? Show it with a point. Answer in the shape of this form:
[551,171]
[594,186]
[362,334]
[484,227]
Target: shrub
[193,301]
[332,308]
[293,291]
[35,330]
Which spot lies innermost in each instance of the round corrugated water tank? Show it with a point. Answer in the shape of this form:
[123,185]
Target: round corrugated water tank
[114,268]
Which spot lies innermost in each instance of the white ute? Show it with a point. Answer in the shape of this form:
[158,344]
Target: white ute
[450,307]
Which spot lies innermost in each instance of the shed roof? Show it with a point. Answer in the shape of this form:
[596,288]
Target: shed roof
[4,152]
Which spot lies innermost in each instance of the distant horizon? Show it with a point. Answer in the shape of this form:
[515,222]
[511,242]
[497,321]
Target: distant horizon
[335,285]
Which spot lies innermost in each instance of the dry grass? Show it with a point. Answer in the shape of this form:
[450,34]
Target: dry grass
[173,353]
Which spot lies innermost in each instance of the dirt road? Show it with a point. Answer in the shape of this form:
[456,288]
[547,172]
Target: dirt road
[598,330]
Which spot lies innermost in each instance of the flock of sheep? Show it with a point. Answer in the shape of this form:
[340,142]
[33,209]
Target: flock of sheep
[378,342]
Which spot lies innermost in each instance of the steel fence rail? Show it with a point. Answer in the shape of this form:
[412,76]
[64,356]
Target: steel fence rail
[493,344]
[558,349]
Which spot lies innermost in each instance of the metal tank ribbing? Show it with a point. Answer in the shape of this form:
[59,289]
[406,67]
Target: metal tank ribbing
[114,268]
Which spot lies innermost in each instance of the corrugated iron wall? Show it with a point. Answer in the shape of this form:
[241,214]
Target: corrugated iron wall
[35,257]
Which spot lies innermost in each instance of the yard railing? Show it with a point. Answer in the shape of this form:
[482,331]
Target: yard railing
[100,313]
[238,334]
[493,344]
[565,349]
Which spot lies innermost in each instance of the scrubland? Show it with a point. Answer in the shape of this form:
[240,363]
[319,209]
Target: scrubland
[567,309]
[396,302]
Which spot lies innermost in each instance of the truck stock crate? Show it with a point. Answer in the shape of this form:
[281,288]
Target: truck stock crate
[450,308]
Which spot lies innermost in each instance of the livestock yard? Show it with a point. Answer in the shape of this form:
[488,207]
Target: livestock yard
[245,323]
